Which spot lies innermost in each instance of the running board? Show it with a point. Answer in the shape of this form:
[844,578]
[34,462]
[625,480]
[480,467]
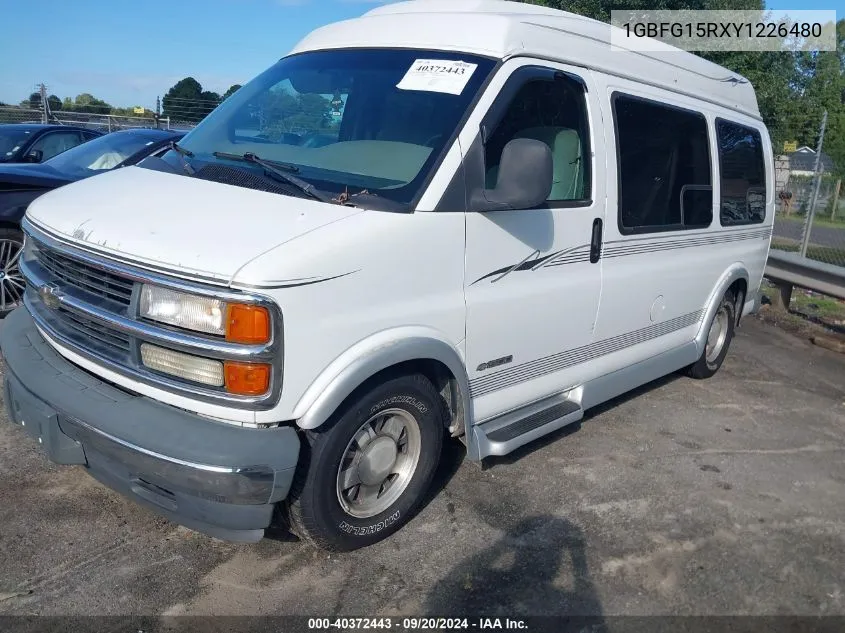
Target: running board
[506,433]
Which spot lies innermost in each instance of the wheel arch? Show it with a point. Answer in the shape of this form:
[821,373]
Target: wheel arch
[735,278]
[403,350]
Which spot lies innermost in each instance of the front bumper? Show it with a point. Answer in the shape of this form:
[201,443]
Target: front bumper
[212,477]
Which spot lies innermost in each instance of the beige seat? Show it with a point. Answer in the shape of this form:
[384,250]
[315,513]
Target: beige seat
[568,183]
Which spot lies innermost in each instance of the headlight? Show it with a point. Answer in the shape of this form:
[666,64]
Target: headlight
[192,312]
[239,323]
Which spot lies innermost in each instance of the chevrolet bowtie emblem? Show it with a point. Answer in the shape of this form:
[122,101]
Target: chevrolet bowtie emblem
[50,295]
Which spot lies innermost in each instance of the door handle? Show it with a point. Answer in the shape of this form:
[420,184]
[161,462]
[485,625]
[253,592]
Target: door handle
[595,241]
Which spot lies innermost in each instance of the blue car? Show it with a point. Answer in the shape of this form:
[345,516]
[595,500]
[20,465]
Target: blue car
[20,184]
[35,142]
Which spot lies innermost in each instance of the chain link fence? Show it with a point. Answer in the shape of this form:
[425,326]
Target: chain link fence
[816,231]
[99,122]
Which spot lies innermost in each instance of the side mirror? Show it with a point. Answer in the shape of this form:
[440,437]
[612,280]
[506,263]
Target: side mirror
[526,176]
[34,156]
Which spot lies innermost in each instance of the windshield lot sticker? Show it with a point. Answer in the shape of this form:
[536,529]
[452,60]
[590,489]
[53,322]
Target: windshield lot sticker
[437,75]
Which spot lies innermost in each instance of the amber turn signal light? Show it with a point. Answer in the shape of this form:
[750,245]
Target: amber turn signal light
[247,379]
[247,324]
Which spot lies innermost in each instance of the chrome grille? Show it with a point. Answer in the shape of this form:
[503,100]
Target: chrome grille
[85,277]
[117,342]
[84,303]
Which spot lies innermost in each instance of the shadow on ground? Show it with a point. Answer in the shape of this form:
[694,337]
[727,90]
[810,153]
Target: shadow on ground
[538,566]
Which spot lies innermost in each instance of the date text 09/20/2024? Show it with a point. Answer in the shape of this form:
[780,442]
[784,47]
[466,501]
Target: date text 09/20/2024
[415,624]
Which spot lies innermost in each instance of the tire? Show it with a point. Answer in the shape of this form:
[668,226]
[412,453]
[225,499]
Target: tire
[324,509]
[716,350]
[12,283]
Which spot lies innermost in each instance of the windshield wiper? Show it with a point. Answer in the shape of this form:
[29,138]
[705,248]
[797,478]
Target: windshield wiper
[281,171]
[184,154]
[368,200]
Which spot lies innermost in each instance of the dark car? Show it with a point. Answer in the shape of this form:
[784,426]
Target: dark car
[20,184]
[35,143]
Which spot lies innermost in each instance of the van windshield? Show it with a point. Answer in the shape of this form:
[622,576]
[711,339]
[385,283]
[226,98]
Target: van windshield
[346,120]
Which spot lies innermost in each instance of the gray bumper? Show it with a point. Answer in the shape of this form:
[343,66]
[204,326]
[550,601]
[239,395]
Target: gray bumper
[212,477]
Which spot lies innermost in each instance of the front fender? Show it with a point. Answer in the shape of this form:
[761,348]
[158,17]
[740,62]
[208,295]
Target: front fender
[370,356]
[734,273]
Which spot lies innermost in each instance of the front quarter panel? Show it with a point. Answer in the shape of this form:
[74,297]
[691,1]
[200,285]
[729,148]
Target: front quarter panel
[352,280]
[367,358]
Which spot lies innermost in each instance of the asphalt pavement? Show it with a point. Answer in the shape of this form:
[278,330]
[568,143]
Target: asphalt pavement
[828,236]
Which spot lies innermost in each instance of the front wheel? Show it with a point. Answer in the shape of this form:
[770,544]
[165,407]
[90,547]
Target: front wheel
[719,338]
[365,475]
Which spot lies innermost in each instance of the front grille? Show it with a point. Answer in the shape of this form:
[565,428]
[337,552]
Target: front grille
[117,343]
[86,277]
[85,304]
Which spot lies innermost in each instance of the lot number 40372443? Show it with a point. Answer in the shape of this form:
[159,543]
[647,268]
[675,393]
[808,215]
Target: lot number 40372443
[449,70]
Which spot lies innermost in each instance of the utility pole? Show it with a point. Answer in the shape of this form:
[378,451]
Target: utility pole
[158,111]
[811,212]
[45,106]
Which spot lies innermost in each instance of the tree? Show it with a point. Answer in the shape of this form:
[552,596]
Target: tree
[88,103]
[210,100]
[67,103]
[34,101]
[186,101]
[232,90]
[280,112]
[55,103]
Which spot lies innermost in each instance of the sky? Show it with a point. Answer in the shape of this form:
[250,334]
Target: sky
[129,52]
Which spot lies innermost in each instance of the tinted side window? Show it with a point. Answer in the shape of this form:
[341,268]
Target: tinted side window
[663,158]
[552,111]
[54,143]
[743,174]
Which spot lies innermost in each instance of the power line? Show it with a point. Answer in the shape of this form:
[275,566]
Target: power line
[193,100]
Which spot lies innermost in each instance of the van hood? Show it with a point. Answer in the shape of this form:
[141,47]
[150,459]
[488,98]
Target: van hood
[190,227]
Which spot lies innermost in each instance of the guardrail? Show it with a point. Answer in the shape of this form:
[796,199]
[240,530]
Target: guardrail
[787,270]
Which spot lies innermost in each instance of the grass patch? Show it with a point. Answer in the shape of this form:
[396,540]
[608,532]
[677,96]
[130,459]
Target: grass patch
[812,306]
[818,220]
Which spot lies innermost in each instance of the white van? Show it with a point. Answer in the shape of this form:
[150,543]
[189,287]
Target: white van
[451,218]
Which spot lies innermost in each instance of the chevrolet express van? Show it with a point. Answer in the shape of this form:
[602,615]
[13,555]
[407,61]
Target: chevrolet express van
[456,219]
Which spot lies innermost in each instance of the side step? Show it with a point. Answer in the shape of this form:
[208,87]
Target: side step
[508,432]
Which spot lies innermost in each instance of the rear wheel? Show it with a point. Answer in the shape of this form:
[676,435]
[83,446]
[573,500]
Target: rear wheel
[12,284]
[365,476]
[719,338]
